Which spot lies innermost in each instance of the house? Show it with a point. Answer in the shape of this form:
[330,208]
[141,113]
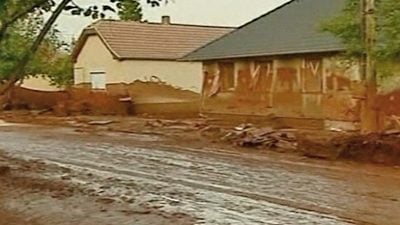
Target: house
[282,65]
[140,59]
[39,83]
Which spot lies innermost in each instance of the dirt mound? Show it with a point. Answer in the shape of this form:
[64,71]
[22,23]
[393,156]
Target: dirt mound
[74,101]
[150,92]
[318,146]
[372,148]
[23,98]
[122,99]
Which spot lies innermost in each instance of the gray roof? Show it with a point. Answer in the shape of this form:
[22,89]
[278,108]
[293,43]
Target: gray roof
[292,28]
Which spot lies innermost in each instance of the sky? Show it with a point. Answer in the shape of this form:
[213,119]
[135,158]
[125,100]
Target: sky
[203,12]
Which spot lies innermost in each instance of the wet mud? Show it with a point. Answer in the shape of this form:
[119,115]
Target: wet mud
[214,186]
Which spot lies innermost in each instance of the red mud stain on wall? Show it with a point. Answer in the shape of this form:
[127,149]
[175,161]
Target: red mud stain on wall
[389,104]
[339,106]
[287,80]
[242,93]
[312,75]
[287,99]
[261,86]
[336,82]
[298,91]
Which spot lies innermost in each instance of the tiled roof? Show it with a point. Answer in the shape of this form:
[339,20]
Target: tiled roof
[292,28]
[136,40]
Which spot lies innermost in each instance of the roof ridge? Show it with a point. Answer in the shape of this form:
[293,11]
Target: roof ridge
[160,24]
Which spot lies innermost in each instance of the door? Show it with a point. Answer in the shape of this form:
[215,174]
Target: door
[98,80]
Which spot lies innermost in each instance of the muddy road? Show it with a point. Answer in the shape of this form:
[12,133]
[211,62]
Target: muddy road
[213,186]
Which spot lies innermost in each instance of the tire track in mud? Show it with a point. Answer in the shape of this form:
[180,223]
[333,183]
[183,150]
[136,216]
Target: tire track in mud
[119,157]
[313,209]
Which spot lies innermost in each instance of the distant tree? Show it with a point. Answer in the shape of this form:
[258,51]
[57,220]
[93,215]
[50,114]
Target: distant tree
[130,10]
[347,26]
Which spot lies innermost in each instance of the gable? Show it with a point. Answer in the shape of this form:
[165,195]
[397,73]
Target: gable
[94,50]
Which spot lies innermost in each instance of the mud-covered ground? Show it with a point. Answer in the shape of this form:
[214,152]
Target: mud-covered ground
[36,193]
[68,175]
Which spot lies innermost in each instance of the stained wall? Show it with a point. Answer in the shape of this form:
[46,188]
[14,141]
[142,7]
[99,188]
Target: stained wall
[303,86]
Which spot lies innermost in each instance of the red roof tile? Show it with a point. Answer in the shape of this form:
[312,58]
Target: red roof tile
[135,40]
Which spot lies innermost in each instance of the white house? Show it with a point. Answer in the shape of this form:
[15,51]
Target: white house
[110,53]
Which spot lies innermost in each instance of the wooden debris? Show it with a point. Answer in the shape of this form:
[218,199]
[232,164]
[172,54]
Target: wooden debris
[246,135]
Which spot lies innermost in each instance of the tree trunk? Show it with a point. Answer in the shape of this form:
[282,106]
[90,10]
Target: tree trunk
[370,121]
[19,70]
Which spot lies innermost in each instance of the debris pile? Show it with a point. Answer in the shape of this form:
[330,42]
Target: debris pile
[177,124]
[382,148]
[246,135]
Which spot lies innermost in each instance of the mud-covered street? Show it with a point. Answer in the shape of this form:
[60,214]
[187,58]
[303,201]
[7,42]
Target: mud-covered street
[211,186]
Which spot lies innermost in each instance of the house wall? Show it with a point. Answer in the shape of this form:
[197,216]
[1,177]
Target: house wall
[39,84]
[307,86]
[96,57]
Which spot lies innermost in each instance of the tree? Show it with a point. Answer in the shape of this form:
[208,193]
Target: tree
[52,58]
[130,10]
[348,27]
[12,11]
[370,30]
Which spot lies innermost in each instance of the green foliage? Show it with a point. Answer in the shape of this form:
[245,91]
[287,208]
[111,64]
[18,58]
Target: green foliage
[389,17]
[51,60]
[347,27]
[130,10]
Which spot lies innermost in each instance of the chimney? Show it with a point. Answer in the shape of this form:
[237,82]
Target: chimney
[166,20]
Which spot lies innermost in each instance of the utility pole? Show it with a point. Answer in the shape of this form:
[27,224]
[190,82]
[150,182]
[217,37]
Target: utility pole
[369,115]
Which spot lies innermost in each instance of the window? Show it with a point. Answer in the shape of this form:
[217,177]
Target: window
[98,80]
[227,76]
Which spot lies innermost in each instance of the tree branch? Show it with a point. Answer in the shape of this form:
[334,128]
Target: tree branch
[17,16]
[20,68]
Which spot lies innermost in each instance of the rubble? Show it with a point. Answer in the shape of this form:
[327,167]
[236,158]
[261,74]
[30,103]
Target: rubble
[178,124]
[246,135]
[377,148]
[380,148]
[315,146]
